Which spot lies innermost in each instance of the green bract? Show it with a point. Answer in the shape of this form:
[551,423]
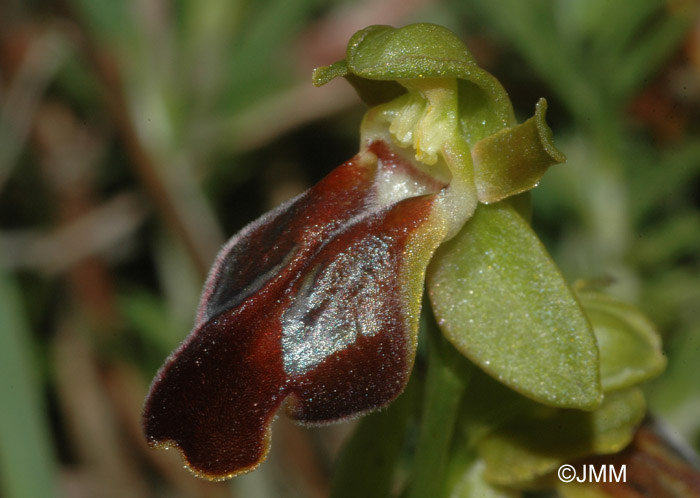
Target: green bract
[536,443]
[630,347]
[522,441]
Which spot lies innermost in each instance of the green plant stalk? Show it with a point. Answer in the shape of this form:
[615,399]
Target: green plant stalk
[447,379]
[367,464]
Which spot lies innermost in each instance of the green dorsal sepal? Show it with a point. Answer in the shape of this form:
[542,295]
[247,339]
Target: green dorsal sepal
[378,57]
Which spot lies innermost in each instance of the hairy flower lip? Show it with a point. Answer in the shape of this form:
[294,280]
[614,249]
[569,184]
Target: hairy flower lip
[314,306]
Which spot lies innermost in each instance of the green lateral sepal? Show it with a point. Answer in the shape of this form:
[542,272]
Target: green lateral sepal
[501,301]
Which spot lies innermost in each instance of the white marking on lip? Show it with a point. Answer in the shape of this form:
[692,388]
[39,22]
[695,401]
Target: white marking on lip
[335,305]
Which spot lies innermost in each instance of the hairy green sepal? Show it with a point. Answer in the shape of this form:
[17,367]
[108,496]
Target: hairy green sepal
[379,56]
[502,302]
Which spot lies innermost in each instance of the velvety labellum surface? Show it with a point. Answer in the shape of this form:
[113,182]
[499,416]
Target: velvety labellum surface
[313,304]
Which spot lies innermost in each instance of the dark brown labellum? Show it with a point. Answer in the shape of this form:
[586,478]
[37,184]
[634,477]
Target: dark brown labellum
[309,306]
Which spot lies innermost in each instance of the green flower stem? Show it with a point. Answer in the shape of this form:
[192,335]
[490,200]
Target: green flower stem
[367,464]
[448,376]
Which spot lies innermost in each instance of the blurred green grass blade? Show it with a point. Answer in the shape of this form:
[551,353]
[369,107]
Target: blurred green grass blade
[676,394]
[613,27]
[673,300]
[533,30]
[528,24]
[668,241]
[27,466]
[647,54]
[662,176]
[108,20]
[148,316]
[256,64]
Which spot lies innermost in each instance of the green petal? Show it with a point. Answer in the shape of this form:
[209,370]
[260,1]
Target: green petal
[630,347]
[514,159]
[533,445]
[502,302]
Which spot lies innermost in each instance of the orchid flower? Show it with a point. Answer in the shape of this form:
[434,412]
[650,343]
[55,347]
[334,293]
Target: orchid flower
[314,307]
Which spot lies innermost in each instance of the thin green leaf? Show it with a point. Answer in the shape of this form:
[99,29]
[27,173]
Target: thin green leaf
[656,179]
[533,31]
[676,394]
[669,240]
[27,466]
[254,67]
[148,316]
[647,54]
[108,20]
[613,27]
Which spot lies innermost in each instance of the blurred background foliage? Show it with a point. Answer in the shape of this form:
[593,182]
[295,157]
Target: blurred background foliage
[136,135]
